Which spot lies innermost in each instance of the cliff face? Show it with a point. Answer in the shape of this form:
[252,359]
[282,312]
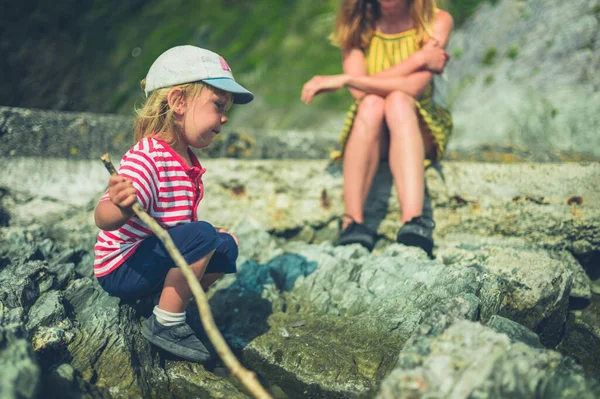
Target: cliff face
[523,74]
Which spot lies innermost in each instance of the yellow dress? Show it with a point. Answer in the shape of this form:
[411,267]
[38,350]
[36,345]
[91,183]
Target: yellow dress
[384,51]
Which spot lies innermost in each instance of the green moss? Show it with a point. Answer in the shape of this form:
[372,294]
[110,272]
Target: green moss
[489,57]
[513,51]
[462,84]
[461,10]
[489,80]
[364,355]
[457,53]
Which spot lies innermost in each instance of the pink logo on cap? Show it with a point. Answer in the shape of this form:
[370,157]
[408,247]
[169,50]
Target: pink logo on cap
[224,64]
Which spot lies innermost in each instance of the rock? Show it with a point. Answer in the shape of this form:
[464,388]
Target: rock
[383,299]
[530,286]
[515,331]
[64,381]
[295,360]
[83,135]
[504,256]
[20,377]
[189,380]
[527,82]
[582,337]
[470,360]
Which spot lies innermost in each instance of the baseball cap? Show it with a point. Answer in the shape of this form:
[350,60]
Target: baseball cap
[187,64]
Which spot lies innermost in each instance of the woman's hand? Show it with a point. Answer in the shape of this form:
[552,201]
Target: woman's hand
[222,230]
[435,57]
[322,84]
[122,193]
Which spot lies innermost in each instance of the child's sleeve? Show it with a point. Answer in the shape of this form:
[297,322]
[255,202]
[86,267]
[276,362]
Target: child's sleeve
[141,169]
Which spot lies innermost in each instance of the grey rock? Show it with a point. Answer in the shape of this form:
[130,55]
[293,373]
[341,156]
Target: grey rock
[501,251]
[189,380]
[515,331]
[64,381]
[47,310]
[109,348]
[20,377]
[541,98]
[582,337]
[470,360]
[81,135]
[385,298]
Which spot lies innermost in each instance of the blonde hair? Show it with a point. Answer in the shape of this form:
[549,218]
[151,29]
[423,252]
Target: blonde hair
[355,22]
[157,117]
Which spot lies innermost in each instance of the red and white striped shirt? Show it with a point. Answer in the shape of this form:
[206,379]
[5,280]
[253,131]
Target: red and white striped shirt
[166,187]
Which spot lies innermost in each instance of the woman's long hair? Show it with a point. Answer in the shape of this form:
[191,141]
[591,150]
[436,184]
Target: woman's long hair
[355,22]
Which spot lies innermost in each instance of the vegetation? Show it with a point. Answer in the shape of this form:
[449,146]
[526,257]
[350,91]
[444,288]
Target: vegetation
[513,52]
[489,57]
[90,55]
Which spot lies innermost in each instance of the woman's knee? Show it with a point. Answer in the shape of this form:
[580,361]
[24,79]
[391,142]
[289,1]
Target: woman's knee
[398,102]
[371,108]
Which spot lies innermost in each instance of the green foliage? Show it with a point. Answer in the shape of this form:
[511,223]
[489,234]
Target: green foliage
[489,57]
[457,53]
[513,51]
[489,80]
[461,10]
[464,82]
[91,55]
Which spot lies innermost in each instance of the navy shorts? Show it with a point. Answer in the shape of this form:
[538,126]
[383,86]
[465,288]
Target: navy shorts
[143,273]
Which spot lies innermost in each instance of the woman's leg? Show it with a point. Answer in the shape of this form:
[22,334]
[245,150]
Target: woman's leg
[361,155]
[407,152]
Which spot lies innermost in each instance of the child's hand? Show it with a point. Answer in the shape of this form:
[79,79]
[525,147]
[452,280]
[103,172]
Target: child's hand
[222,230]
[322,84]
[435,56]
[122,193]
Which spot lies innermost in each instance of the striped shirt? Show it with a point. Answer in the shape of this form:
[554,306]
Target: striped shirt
[166,187]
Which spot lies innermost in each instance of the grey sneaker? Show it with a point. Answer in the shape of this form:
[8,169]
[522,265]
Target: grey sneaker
[179,340]
[357,233]
[418,232]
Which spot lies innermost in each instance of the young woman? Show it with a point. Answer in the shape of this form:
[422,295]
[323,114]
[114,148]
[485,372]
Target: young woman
[391,50]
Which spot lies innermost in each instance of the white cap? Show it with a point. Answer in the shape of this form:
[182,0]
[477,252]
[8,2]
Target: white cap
[187,64]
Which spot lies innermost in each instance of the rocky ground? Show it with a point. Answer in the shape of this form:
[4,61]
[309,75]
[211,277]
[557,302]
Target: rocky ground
[506,308]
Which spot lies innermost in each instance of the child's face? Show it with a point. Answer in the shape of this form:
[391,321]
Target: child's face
[204,117]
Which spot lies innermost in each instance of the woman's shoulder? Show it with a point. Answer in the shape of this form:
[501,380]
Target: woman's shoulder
[443,17]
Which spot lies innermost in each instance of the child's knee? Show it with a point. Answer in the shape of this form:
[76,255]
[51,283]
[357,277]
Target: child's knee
[205,228]
[228,247]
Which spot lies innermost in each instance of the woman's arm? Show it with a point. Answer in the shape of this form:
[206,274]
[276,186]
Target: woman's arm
[413,84]
[354,63]
[414,74]
[432,56]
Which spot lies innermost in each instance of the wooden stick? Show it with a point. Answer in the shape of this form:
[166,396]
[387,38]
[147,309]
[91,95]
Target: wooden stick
[246,377]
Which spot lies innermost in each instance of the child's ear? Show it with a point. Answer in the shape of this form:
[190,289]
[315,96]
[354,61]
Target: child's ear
[176,100]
